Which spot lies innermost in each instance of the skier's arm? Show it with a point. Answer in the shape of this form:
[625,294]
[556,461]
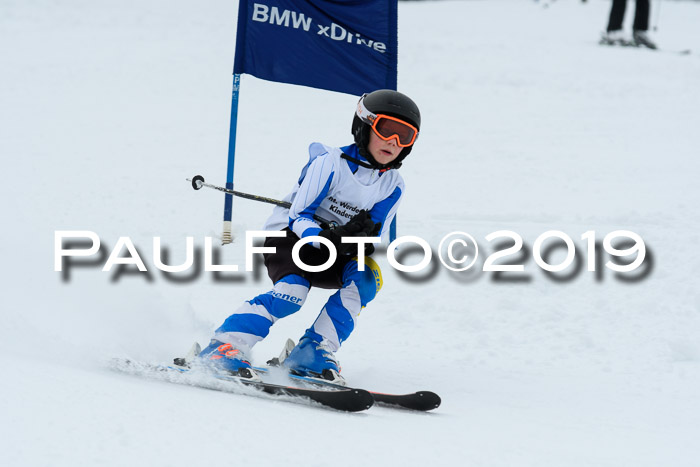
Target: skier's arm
[313,188]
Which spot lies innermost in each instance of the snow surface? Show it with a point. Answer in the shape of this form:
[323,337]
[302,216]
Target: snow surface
[106,107]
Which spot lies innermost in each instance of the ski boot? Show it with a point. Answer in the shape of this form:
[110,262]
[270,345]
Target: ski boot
[641,39]
[312,357]
[226,357]
[615,38]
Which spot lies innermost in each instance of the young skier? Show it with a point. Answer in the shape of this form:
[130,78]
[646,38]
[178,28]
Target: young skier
[357,187]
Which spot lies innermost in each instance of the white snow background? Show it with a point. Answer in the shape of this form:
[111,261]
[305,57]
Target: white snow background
[528,125]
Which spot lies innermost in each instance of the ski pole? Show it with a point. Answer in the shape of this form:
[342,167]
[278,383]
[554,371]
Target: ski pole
[198,182]
[658,13]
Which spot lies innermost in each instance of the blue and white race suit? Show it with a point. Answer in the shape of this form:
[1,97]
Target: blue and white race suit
[335,189]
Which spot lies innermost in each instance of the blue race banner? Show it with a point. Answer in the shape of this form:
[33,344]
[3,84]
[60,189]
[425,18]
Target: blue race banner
[347,46]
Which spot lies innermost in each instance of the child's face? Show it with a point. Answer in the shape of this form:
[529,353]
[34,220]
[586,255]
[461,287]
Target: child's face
[383,152]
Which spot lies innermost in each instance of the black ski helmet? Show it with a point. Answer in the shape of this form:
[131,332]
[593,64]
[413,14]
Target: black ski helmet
[387,102]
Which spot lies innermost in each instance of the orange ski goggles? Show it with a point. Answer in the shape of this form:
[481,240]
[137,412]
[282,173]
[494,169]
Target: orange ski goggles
[387,127]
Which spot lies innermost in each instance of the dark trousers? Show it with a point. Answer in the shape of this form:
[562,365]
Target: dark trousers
[617,14]
[281,263]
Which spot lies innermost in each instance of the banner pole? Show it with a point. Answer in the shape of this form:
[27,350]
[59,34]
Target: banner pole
[226,236]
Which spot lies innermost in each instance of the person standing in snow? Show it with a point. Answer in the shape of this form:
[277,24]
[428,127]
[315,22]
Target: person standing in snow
[357,187]
[640,37]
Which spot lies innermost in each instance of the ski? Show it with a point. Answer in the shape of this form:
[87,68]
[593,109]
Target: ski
[676,51]
[632,45]
[420,401]
[345,399]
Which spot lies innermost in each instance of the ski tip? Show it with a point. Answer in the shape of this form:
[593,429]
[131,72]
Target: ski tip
[365,400]
[345,400]
[428,400]
[422,401]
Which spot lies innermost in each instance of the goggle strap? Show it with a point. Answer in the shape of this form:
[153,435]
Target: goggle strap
[364,113]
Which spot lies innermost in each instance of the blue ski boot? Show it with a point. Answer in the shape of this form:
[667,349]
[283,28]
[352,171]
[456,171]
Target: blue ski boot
[227,358]
[312,357]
